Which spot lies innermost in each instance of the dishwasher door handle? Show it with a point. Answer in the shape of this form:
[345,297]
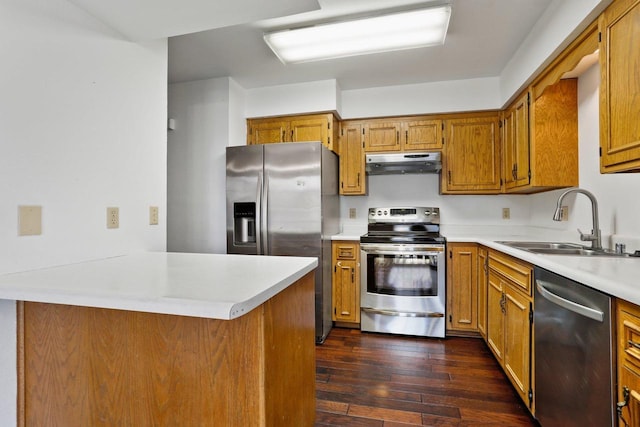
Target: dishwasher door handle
[568,304]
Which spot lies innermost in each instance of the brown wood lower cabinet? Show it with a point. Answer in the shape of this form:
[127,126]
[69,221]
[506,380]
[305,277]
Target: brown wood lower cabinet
[509,320]
[83,366]
[346,282]
[628,349]
[462,305]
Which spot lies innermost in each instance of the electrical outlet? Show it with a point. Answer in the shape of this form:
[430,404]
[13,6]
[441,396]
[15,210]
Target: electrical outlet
[29,220]
[113,217]
[153,215]
[506,213]
[352,213]
[564,213]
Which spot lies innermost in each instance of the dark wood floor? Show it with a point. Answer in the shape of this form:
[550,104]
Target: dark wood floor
[366,379]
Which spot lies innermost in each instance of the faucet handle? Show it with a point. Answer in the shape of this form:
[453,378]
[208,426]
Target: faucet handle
[587,237]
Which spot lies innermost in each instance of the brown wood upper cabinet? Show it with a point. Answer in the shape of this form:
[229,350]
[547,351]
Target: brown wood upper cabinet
[471,158]
[311,127]
[619,27]
[540,140]
[403,134]
[540,128]
[382,135]
[421,134]
[352,174]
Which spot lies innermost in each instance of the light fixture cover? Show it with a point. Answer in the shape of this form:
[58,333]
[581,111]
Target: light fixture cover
[397,31]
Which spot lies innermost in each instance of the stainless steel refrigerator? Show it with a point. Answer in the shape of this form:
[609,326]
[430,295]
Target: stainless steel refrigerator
[282,199]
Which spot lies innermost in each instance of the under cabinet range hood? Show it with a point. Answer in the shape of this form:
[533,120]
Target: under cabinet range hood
[403,163]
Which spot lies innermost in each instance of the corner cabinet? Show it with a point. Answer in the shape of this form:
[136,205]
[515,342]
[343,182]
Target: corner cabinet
[304,128]
[346,282]
[540,139]
[351,149]
[510,320]
[471,158]
[619,27]
[462,304]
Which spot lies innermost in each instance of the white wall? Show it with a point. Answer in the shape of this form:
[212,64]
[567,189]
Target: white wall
[82,127]
[196,166]
[425,98]
[296,98]
[616,193]
[561,22]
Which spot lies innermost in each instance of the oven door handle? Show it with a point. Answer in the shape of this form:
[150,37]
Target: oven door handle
[401,313]
[399,252]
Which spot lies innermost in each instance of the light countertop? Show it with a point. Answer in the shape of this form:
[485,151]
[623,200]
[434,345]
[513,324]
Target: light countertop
[199,285]
[619,277]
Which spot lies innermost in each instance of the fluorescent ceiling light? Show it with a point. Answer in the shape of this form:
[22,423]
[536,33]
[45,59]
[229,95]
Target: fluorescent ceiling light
[403,30]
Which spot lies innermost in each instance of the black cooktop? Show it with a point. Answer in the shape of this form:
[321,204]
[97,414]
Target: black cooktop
[406,233]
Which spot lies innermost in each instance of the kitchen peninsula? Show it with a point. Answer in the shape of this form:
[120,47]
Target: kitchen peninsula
[166,339]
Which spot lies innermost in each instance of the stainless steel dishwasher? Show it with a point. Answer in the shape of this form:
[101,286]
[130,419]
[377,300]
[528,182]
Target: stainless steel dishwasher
[574,376]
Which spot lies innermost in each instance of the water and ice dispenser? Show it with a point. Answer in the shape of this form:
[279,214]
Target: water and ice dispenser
[244,223]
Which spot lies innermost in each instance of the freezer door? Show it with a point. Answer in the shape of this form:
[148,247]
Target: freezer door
[293,199]
[245,175]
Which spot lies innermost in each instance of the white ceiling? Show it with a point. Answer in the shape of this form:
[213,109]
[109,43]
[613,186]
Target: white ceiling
[217,38]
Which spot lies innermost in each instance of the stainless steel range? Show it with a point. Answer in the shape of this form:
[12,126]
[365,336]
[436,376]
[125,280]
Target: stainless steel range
[403,272]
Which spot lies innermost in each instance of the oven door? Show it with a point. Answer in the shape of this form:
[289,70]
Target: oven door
[403,288]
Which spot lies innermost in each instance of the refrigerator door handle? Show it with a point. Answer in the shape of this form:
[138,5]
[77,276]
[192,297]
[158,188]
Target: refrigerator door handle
[264,207]
[258,221]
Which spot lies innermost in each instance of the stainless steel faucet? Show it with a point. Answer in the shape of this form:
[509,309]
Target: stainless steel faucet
[595,236]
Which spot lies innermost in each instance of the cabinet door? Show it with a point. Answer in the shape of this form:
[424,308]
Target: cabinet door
[346,282]
[422,135]
[267,131]
[472,156]
[495,315]
[620,87]
[516,144]
[517,341]
[382,136]
[346,305]
[352,162]
[462,302]
[483,261]
[628,351]
[307,129]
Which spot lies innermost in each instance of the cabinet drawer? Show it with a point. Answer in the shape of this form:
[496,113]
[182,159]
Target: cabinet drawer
[345,250]
[518,272]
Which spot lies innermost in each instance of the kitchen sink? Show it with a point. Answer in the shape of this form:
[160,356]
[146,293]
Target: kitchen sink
[559,248]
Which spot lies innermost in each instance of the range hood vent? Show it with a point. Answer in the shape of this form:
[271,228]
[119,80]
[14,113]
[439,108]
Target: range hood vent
[403,163]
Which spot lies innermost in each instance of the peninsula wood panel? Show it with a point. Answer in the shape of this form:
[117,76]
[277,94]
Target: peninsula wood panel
[82,366]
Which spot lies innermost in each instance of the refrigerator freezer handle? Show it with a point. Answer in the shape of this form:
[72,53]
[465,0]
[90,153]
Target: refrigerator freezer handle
[264,214]
[258,222]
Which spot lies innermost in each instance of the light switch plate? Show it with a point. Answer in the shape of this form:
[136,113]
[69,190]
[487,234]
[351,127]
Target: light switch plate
[29,220]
